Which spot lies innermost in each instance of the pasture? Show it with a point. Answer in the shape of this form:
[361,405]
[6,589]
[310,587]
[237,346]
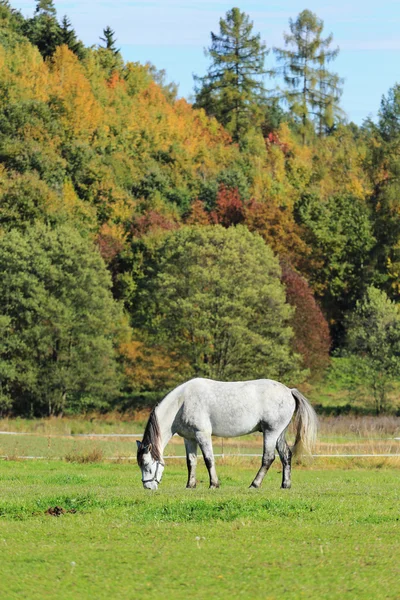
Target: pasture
[334,535]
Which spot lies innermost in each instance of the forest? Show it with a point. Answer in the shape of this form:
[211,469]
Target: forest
[145,239]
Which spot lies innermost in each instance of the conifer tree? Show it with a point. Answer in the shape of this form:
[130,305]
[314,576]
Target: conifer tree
[109,40]
[110,56]
[233,89]
[68,37]
[313,92]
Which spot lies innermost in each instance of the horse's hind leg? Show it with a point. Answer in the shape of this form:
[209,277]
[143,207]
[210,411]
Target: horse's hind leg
[205,443]
[191,461]
[285,454]
[267,459]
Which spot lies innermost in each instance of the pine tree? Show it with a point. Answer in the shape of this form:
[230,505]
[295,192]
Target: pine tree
[68,37]
[233,89]
[109,55]
[313,92]
[109,40]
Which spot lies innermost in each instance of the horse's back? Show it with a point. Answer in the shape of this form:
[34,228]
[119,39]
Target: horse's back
[230,409]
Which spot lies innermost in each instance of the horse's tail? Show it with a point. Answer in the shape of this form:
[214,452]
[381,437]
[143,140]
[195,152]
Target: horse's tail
[306,424]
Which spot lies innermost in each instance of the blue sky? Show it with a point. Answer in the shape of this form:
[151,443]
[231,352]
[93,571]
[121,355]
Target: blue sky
[173,33]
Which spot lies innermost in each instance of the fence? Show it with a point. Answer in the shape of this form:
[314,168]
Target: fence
[34,451]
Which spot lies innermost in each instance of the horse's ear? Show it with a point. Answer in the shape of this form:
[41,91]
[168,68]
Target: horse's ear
[139,444]
[149,447]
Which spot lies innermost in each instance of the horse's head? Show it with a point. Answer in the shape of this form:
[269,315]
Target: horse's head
[151,468]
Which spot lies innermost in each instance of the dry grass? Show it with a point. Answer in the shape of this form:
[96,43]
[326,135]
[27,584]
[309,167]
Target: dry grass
[360,426]
[345,434]
[95,455]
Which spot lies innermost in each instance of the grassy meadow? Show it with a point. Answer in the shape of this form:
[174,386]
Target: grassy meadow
[334,535]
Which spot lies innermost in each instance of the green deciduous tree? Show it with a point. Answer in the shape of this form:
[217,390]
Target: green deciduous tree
[213,298]
[373,339]
[313,92]
[233,89]
[383,162]
[11,24]
[340,234]
[59,322]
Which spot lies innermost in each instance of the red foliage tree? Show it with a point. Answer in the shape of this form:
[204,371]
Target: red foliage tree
[312,338]
[229,207]
[153,221]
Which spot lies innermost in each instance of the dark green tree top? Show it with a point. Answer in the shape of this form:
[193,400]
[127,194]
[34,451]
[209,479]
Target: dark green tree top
[109,40]
[68,37]
[233,87]
[109,55]
[43,30]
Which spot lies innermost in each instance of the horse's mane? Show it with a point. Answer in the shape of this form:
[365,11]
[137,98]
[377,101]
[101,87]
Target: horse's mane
[152,435]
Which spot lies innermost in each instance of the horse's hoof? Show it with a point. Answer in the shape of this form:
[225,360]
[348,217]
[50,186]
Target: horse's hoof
[286,486]
[214,486]
[254,485]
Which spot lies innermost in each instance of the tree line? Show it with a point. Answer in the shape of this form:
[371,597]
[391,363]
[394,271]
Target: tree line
[145,240]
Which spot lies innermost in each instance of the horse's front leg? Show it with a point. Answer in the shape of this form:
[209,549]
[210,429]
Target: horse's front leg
[267,460]
[205,443]
[191,461]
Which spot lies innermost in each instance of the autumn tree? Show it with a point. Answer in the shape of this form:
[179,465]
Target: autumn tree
[198,215]
[233,88]
[313,92]
[229,209]
[311,330]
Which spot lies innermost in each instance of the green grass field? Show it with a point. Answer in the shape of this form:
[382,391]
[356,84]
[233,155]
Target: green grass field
[334,535]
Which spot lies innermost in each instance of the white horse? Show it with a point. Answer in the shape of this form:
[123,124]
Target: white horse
[200,408]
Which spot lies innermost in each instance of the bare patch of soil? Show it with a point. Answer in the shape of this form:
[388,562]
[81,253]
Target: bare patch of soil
[57,511]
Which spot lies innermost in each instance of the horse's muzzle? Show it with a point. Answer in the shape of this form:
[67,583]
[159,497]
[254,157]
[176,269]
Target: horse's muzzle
[150,485]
